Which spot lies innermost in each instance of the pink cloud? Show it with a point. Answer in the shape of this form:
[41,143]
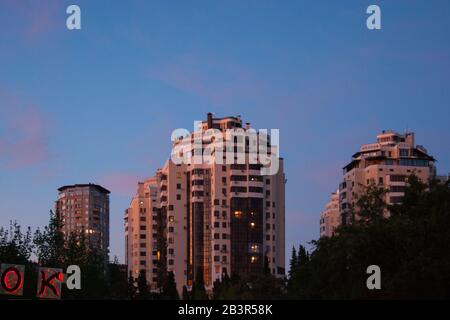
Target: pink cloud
[25,140]
[217,81]
[34,19]
[121,183]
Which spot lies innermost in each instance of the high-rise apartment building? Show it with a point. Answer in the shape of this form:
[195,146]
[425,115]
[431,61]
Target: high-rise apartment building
[208,217]
[329,218]
[386,163]
[85,208]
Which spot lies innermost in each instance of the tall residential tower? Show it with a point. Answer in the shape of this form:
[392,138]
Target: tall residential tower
[386,163]
[209,217]
[85,208]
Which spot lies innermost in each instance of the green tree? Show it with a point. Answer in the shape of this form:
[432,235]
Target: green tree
[410,247]
[118,286]
[143,292]
[198,288]
[49,243]
[169,290]
[132,289]
[293,262]
[186,295]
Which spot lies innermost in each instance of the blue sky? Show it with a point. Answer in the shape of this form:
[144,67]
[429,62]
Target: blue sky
[99,104]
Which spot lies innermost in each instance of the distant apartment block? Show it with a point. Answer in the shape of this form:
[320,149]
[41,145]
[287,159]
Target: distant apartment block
[85,208]
[386,163]
[211,218]
[329,218]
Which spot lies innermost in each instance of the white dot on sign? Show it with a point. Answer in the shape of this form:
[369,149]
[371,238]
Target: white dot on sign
[73,21]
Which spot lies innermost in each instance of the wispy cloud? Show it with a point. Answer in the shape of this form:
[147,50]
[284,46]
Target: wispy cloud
[24,136]
[31,19]
[121,183]
[216,80]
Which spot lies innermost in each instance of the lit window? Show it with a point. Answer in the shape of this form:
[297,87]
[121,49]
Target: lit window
[237,214]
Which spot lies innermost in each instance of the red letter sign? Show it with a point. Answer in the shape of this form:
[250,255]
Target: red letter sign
[49,283]
[11,278]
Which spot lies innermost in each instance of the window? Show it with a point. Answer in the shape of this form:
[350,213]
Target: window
[178,186]
[238,189]
[414,162]
[238,178]
[397,189]
[398,178]
[395,200]
[178,196]
[404,152]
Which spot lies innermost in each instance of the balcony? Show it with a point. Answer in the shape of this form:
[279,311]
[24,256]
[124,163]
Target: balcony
[163,183]
[197,177]
[237,172]
[238,183]
[197,199]
[163,194]
[197,188]
[255,183]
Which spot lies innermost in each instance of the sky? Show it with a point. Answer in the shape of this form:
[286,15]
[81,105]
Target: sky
[99,104]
